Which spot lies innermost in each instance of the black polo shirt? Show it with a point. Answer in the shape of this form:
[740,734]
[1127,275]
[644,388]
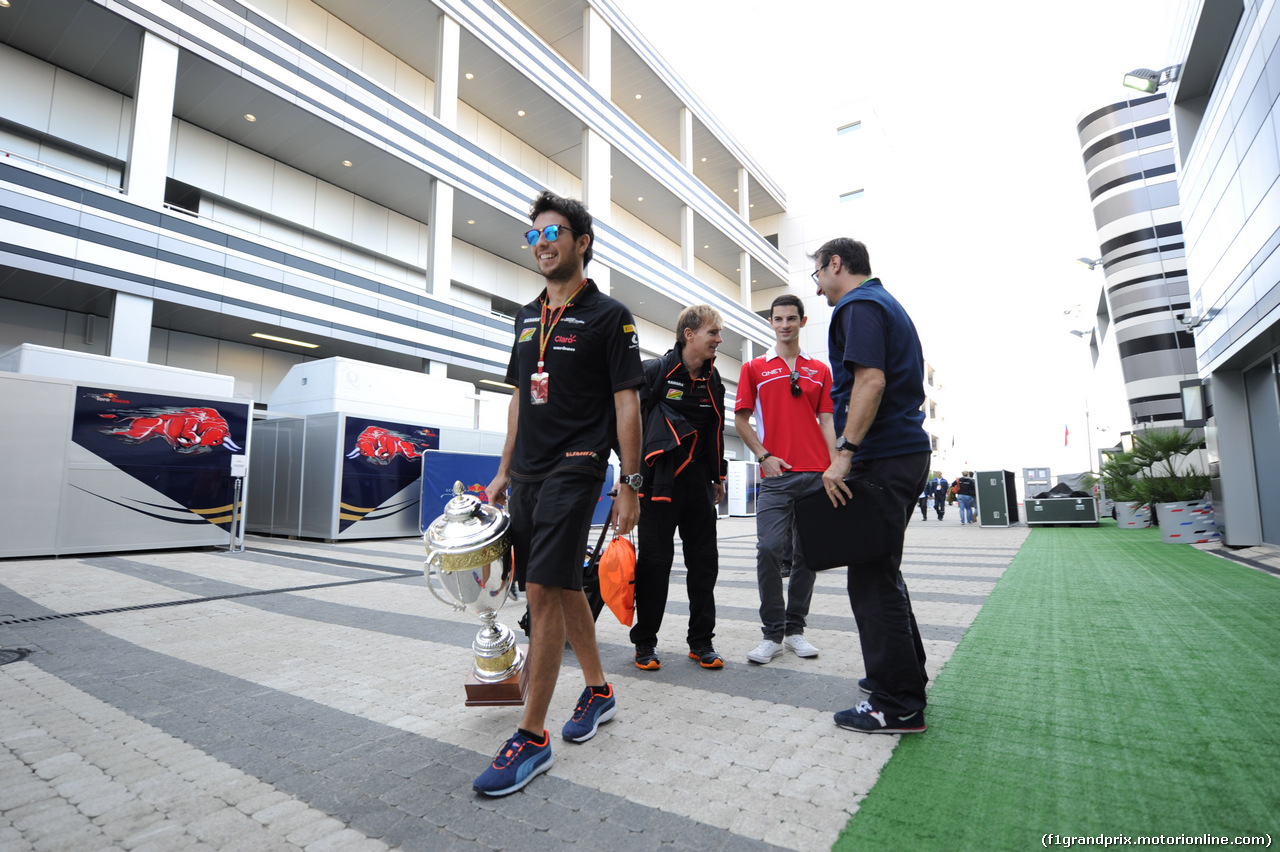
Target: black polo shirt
[593,352]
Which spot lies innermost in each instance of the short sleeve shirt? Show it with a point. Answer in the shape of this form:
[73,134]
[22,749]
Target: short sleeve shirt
[869,327]
[788,425]
[592,352]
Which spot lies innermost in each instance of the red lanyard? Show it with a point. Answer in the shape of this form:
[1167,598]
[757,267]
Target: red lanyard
[544,332]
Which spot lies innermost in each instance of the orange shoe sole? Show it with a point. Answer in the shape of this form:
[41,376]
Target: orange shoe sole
[716,663]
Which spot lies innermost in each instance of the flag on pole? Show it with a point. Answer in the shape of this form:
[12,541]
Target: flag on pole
[1066,435]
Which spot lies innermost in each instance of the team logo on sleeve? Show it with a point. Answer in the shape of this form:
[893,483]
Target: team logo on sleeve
[525,336]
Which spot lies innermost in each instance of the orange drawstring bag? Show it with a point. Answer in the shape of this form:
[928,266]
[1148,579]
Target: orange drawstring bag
[618,579]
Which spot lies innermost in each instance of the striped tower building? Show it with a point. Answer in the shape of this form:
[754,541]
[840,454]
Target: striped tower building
[1132,178]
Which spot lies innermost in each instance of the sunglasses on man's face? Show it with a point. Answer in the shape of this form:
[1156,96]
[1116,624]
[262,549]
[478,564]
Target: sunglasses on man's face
[551,232]
[795,383]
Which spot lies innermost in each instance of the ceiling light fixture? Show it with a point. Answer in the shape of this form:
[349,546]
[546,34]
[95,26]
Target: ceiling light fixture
[639,96]
[471,221]
[262,336]
[497,384]
[347,163]
[520,113]
[640,198]
[470,76]
[248,116]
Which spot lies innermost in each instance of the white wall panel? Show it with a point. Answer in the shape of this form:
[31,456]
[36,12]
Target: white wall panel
[379,64]
[293,196]
[19,145]
[189,351]
[200,158]
[249,178]
[369,227]
[280,232]
[25,323]
[308,20]
[411,85]
[335,211]
[85,113]
[343,41]
[27,92]
[402,238]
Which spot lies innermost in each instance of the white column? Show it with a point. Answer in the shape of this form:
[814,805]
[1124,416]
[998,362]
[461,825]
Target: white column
[744,294]
[448,41]
[744,194]
[686,138]
[440,240]
[130,334]
[597,52]
[597,154]
[686,239]
[152,126]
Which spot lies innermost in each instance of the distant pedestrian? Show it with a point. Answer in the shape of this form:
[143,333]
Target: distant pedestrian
[938,491]
[923,500]
[966,493]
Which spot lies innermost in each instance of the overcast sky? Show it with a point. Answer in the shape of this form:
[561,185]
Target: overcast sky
[979,102]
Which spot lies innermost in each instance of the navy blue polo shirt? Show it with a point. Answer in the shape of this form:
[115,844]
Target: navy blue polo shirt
[869,327]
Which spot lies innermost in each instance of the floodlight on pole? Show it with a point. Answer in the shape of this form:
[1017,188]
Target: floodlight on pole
[1146,80]
[1092,263]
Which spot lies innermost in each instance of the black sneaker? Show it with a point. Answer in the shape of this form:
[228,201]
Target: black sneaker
[647,659]
[867,720]
[707,657]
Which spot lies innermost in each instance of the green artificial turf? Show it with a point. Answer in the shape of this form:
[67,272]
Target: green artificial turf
[1111,685]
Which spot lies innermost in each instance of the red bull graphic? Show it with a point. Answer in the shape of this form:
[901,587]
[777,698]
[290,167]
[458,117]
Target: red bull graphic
[178,446]
[380,445]
[186,430]
[384,460]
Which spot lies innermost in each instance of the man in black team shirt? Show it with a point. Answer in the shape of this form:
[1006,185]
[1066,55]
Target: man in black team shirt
[575,364]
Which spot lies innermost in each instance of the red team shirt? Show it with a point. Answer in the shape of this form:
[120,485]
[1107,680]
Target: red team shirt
[788,425]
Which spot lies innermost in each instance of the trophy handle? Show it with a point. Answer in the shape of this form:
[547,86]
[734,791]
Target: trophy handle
[428,574]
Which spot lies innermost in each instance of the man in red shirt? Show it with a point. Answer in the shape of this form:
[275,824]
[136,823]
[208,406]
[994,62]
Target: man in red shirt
[794,438]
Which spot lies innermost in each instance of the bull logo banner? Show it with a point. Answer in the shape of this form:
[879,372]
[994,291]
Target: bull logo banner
[381,460]
[179,446]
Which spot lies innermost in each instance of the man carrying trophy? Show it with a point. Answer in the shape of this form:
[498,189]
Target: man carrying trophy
[575,365]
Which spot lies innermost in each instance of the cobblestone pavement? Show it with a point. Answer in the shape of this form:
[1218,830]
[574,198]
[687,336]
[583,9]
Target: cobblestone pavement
[306,695]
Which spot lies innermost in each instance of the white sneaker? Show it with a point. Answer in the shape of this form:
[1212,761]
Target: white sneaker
[800,645]
[765,651]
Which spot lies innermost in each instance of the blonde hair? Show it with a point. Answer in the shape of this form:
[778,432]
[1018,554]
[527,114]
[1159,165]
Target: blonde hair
[693,318]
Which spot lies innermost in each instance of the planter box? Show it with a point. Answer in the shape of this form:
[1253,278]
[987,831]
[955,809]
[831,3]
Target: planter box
[1133,516]
[1190,522]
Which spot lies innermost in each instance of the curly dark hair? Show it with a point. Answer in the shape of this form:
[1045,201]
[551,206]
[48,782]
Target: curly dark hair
[580,221]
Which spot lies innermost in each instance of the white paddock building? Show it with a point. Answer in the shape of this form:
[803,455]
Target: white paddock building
[176,178]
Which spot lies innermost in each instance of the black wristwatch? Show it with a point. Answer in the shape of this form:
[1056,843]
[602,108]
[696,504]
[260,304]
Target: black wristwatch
[634,481]
[842,443]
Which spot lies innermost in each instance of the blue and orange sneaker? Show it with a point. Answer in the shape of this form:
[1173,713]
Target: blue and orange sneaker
[592,712]
[518,762]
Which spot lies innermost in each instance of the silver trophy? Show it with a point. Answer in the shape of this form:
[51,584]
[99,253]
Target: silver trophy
[465,549]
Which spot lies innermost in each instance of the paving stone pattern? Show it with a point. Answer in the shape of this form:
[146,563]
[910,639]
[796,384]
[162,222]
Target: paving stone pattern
[308,695]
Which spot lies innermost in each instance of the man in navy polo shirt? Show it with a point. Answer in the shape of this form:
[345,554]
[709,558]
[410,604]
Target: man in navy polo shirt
[877,371]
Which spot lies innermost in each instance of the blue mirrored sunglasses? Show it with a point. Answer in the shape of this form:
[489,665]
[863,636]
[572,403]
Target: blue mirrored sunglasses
[551,232]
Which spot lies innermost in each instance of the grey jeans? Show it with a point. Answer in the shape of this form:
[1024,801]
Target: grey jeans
[775,530]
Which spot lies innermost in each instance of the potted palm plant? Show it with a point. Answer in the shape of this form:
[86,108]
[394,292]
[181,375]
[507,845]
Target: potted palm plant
[1120,475]
[1172,484]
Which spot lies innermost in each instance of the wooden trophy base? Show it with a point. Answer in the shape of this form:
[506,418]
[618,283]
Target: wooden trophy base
[504,693]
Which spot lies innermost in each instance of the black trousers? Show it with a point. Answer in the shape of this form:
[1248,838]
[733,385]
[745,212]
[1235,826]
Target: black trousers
[891,647]
[692,512]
